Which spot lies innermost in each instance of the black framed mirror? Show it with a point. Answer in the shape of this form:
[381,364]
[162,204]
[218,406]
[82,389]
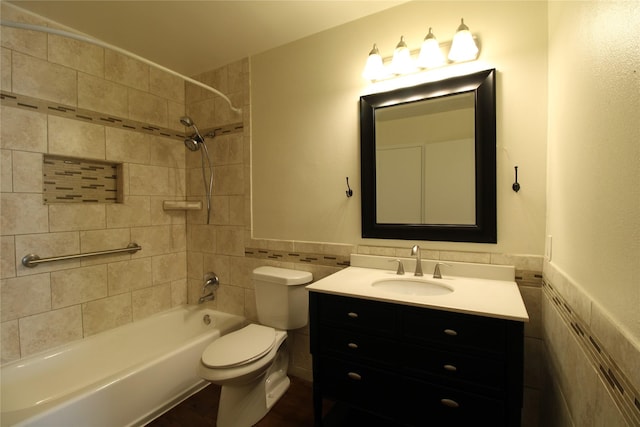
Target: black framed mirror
[428,161]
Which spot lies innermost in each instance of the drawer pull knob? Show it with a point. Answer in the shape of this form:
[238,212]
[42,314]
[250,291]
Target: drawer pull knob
[352,345]
[450,368]
[450,332]
[354,376]
[450,403]
[352,315]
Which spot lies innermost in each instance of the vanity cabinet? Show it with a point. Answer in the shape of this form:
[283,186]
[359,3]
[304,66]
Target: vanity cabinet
[414,366]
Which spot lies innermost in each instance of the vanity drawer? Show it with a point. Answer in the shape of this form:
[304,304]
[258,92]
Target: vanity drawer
[458,368]
[360,346]
[455,329]
[359,385]
[358,314]
[434,405]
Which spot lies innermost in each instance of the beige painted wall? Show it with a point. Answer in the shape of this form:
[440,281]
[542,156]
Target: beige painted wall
[594,152]
[306,132]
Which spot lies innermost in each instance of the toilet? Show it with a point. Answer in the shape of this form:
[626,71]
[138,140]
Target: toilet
[251,364]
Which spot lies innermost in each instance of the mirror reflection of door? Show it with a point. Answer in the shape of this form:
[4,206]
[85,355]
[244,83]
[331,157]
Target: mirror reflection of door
[449,172]
[425,161]
[399,191]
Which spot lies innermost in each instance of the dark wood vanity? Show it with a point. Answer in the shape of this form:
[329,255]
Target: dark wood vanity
[411,366]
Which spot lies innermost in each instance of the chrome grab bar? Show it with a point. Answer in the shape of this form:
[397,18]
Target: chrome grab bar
[33,260]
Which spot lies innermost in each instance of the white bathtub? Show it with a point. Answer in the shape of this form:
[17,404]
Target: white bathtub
[122,377]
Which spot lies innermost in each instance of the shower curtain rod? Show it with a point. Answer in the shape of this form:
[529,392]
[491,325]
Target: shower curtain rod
[87,39]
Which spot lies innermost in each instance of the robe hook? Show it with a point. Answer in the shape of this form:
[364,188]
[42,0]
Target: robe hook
[516,186]
[349,190]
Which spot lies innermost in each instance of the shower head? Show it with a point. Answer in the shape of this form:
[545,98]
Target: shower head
[186,121]
[194,141]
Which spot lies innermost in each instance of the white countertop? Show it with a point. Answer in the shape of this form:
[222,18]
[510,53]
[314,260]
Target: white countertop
[479,296]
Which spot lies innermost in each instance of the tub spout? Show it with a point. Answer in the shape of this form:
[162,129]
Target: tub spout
[209,297]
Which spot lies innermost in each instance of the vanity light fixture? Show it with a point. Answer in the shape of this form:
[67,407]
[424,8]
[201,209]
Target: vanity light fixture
[402,62]
[374,68]
[463,47]
[431,55]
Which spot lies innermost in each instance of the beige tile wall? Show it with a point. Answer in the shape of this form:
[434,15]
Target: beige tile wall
[54,303]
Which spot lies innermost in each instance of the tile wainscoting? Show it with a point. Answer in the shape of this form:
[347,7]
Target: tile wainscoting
[593,369]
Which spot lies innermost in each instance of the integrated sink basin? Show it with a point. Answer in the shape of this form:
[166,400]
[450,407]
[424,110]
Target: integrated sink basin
[415,287]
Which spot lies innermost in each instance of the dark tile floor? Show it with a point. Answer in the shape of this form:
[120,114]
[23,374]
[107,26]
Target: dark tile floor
[294,409]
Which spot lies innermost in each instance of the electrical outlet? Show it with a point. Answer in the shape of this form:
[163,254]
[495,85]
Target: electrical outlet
[547,247]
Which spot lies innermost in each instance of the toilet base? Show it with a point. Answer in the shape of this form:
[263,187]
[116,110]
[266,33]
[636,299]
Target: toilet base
[245,404]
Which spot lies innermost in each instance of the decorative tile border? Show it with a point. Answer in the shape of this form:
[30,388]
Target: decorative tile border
[528,278]
[47,107]
[309,258]
[624,394]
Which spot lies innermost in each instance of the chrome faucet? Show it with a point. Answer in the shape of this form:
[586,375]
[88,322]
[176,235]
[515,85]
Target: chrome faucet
[415,250]
[400,270]
[210,279]
[436,270]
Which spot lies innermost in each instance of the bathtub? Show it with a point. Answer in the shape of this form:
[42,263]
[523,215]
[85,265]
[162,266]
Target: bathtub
[122,377]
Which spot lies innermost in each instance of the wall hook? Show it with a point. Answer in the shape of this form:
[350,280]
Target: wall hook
[349,190]
[516,186]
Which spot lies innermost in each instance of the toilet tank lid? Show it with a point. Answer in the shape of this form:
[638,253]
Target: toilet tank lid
[283,276]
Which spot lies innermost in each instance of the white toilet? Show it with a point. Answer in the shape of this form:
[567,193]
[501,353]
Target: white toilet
[251,364]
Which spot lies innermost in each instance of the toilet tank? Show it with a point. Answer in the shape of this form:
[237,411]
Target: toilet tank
[281,297]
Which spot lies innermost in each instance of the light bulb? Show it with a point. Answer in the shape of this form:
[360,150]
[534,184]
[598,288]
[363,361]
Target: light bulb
[463,47]
[374,69]
[402,62]
[430,53]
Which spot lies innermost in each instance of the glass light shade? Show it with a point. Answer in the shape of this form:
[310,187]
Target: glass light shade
[374,69]
[402,62]
[463,47]
[430,53]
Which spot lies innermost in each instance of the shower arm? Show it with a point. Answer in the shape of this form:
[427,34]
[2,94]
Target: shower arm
[87,39]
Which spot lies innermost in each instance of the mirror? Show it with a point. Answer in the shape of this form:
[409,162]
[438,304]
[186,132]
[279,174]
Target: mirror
[428,161]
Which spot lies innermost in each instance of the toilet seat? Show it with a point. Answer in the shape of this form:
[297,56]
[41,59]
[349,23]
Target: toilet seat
[240,347]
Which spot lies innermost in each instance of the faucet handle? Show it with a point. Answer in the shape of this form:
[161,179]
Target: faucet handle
[400,266]
[210,279]
[436,270]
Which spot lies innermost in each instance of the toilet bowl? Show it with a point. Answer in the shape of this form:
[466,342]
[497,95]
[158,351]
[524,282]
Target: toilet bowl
[252,379]
[251,364]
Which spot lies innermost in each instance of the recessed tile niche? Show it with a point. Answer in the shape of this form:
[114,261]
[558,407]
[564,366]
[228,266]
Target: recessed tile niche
[71,180]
